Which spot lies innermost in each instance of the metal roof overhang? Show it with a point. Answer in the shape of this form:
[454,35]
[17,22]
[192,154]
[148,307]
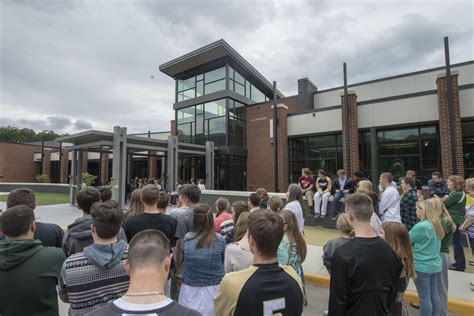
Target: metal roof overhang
[209,53]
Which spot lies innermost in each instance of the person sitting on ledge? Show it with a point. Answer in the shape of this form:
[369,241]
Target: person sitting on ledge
[343,187]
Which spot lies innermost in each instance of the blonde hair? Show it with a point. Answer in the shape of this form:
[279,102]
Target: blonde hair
[457,181]
[365,186]
[443,213]
[431,211]
[343,224]
[242,226]
[294,235]
[275,204]
[136,205]
[396,235]
[469,184]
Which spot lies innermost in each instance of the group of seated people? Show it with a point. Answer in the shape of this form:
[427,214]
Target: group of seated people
[240,258]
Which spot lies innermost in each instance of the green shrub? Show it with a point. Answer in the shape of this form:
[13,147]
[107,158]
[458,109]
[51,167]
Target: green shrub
[42,178]
[88,179]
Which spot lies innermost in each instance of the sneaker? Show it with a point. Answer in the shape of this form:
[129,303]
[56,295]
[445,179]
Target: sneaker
[323,216]
[334,217]
[316,215]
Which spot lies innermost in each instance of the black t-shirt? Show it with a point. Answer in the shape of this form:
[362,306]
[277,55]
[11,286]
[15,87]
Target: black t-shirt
[159,221]
[323,183]
[364,278]
[262,289]
[51,235]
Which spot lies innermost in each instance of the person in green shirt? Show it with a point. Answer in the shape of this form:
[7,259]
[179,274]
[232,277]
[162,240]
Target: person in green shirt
[28,270]
[426,237]
[449,227]
[455,203]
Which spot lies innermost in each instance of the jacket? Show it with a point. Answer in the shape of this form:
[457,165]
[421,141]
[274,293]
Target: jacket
[349,185]
[28,274]
[204,266]
[455,204]
[79,236]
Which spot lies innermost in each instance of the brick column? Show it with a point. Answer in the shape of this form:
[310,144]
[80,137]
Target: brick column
[152,165]
[85,160]
[173,128]
[47,162]
[104,168]
[64,176]
[352,129]
[450,134]
[282,112]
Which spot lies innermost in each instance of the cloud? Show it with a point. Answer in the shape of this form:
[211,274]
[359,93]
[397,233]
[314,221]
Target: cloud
[72,65]
[81,125]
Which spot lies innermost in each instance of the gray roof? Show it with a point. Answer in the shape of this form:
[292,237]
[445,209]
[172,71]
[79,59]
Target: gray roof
[211,52]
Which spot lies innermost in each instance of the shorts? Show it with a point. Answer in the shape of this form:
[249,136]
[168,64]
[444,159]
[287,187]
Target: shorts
[309,193]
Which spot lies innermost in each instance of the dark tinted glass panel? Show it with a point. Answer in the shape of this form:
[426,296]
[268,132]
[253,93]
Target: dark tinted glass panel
[215,75]
[399,165]
[428,132]
[217,126]
[215,86]
[398,148]
[397,135]
[184,133]
[429,147]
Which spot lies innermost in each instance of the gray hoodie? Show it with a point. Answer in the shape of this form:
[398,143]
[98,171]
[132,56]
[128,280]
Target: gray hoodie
[79,236]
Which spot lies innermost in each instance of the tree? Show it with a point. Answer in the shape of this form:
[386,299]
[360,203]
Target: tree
[11,134]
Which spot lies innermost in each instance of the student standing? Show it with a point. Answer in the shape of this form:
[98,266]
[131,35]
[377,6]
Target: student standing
[294,198]
[292,249]
[389,206]
[426,237]
[238,255]
[224,222]
[203,263]
[345,227]
[408,202]
[396,235]
[365,270]
[456,203]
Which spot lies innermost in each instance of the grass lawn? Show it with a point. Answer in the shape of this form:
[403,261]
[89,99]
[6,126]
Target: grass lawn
[45,198]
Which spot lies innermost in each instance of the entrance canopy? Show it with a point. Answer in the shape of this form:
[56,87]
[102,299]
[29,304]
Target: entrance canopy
[123,146]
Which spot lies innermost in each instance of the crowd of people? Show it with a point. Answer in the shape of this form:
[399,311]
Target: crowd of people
[240,258]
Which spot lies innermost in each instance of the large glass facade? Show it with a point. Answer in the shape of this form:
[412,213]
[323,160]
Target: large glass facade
[215,80]
[315,152]
[399,150]
[468,147]
[208,122]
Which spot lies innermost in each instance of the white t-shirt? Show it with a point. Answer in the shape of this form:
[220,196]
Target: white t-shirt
[201,187]
[295,208]
[389,206]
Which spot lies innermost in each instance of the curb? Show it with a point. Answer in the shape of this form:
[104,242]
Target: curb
[454,304]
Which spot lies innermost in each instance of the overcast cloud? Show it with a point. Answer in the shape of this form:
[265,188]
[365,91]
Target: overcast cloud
[76,65]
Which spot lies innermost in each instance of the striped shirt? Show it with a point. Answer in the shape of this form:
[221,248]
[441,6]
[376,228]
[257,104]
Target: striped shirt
[87,287]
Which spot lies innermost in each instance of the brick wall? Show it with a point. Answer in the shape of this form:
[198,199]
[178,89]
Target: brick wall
[445,126]
[352,129]
[16,163]
[104,168]
[260,147]
[64,176]
[173,128]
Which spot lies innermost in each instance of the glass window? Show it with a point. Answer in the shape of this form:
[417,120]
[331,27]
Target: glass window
[239,78]
[200,77]
[215,86]
[214,75]
[185,133]
[185,115]
[199,89]
[468,148]
[199,108]
[257,96]
[247,89]
[186,84]
[402,134]
[240,89]
[215,108]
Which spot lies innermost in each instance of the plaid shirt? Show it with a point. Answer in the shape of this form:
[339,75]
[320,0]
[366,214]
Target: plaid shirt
[408,208]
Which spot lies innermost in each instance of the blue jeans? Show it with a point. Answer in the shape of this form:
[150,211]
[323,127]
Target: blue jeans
[427,288]
[335,201]
[459,259]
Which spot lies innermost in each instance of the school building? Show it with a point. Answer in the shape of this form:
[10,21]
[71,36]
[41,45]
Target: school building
[406,121]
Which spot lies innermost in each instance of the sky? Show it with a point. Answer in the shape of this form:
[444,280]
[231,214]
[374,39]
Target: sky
[71,66]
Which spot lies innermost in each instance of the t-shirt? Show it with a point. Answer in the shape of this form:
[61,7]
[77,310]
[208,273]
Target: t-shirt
[364,277]
[184,221]
[295,208]
[324,184]
[167,307]
[159,221]
[426,247]
[306,181]
[262,289]
[51,235]
[329,248]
